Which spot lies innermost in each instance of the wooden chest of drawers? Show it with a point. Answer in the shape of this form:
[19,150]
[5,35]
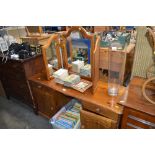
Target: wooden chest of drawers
[138,112]
[14,74]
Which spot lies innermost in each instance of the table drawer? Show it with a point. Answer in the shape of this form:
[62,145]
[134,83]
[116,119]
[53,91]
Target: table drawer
[93,121]
[99,109]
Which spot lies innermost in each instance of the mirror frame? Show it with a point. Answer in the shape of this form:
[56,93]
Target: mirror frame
[54,37]
[84,33]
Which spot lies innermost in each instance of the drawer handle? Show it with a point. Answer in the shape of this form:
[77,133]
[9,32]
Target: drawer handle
[52,108]
[82,126]
[39,86]
[97,110]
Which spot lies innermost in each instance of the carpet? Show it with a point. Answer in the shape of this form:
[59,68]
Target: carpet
[17,115]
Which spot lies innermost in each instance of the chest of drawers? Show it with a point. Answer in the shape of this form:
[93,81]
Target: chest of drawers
[138,112]
[14,74]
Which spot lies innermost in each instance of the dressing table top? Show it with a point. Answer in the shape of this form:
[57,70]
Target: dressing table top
[100,98]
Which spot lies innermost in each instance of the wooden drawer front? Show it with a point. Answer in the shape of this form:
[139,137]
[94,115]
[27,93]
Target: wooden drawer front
[16,66]
[20,86]
[137,120]
[100,110]
[14,71]
[11,74]
[93,121]
[103,58]
[18,90]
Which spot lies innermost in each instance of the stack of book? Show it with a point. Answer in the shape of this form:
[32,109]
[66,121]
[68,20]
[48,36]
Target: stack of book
[60,75]
[86,70]
[71,80]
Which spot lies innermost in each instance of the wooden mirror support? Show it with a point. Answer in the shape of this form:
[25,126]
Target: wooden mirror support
[95,65]
[53,38]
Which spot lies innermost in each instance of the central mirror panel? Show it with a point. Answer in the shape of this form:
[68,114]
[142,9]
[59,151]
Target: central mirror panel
[78,49]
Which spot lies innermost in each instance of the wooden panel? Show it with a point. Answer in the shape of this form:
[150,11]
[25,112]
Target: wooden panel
[34,66]
[92,121]
[44,100]
[95,66]
[136,119]
[103,58]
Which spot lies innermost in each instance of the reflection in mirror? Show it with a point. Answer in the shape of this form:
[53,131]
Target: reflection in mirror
[78,53]
[51,55]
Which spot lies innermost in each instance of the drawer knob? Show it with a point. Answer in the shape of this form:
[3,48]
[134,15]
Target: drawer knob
[97,109]
[52,108]
[82,126]
[39,86]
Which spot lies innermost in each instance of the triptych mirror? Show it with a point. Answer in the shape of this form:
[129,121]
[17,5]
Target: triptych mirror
[75,50]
